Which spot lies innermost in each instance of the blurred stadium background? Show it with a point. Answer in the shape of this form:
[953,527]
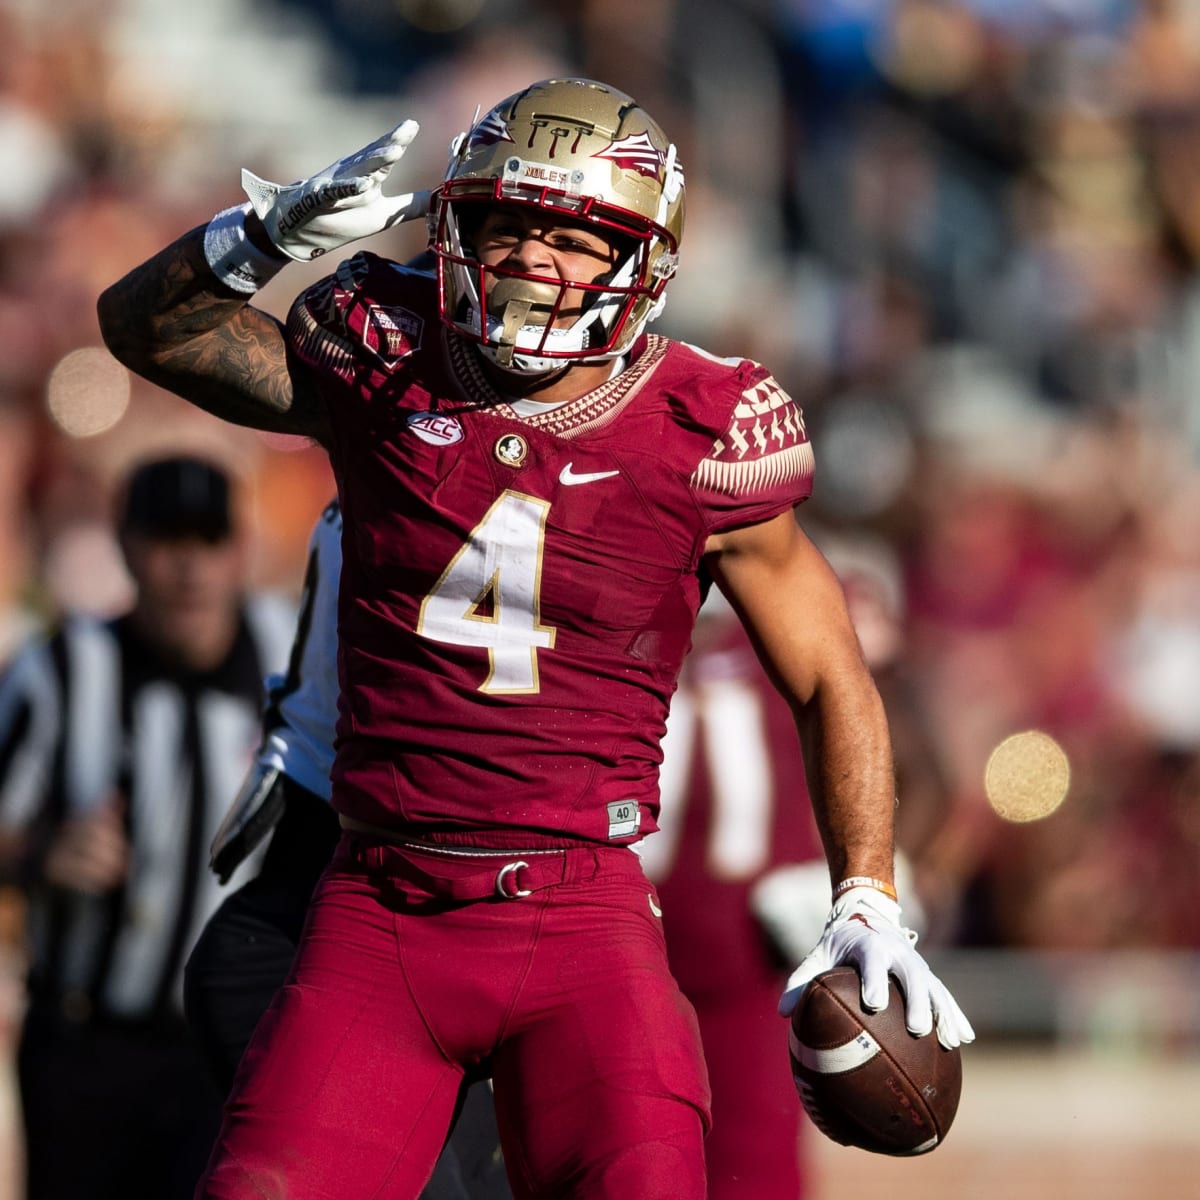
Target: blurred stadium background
[966,233]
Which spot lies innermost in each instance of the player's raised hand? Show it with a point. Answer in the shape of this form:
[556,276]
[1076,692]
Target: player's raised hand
[340,204]
[864,931]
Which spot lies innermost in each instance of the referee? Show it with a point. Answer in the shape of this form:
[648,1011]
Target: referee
[120,744]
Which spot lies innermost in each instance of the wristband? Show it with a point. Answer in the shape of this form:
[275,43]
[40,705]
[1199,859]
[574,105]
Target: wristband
[865,881]
[235,260]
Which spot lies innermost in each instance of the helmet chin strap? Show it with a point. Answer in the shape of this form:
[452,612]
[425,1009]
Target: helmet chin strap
[517,303]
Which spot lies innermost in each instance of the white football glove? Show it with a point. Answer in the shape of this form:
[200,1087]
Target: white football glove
[340,204]
[864,931]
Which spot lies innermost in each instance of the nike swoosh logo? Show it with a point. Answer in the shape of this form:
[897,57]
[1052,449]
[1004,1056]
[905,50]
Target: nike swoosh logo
[569,477]
[653,907]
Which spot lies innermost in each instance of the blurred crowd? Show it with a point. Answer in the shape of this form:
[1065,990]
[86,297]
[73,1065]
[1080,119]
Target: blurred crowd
[966,233]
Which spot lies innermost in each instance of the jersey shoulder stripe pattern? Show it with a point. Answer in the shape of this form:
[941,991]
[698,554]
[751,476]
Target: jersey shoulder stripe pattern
[765,445]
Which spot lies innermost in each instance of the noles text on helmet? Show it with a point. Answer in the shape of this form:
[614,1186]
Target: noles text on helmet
[569,149]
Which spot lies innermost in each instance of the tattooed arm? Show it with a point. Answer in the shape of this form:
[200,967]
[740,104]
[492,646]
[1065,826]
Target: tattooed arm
[172,321]
[185,324]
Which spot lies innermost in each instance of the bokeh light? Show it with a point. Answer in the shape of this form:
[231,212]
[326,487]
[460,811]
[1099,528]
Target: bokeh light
[87,392]
[1027,776]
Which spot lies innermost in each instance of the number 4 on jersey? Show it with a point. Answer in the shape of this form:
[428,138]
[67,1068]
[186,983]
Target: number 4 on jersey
[490,594]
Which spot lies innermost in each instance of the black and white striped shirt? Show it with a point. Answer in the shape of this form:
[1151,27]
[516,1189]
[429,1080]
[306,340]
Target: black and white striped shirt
[92,712]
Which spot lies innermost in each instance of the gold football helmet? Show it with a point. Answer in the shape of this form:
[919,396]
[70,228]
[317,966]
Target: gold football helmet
[575,148]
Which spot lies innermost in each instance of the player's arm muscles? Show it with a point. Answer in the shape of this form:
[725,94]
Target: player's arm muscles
[173,322]
[794,609]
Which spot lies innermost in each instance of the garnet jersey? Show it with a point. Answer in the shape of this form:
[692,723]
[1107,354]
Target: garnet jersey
[518,592]
[736,806]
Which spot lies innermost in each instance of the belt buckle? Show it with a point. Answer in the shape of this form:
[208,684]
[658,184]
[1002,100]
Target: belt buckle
[502,875]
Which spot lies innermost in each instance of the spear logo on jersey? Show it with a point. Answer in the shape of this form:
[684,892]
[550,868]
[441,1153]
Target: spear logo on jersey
[634,153]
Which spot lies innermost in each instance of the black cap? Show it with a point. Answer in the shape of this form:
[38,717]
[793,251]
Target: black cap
[177,497]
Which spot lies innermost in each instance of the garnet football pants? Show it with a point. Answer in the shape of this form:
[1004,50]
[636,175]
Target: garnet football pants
[416,969]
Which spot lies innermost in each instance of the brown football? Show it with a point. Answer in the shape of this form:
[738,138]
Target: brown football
[863,1078]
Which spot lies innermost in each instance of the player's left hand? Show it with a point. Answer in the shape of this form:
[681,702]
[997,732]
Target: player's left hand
[864,931]
[340,204]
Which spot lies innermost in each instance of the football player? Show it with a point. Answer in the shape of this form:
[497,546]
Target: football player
[730,781]
[530,482]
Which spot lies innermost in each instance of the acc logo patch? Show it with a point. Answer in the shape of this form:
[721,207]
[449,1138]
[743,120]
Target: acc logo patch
[435,428]
[392,332]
